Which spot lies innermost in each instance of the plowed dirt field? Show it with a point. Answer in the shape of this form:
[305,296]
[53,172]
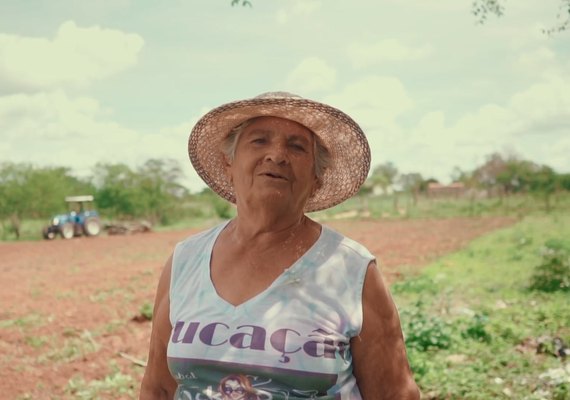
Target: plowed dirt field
[68,308]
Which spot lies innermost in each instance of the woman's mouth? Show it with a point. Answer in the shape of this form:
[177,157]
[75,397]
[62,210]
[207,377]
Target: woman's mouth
[274,175]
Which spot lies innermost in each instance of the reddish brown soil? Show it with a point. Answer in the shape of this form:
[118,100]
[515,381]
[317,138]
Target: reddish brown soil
[67,307]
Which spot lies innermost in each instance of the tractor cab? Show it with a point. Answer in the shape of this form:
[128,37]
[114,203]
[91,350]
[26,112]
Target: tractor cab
[80,219]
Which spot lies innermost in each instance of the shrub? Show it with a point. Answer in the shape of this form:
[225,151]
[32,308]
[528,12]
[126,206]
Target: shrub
[423,332]
[476,329]
[553,273]
[419,284]
[222,208]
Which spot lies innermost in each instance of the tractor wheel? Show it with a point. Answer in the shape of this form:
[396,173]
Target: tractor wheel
[67,230]
[92,226]
[48,234]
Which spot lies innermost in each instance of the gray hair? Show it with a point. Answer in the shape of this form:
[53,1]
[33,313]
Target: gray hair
[321,153]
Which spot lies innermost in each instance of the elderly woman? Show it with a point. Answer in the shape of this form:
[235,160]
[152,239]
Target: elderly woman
[297,308]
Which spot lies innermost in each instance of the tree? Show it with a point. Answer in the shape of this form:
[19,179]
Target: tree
[544,182]
[116,189]
[486,176]
[151,191]
[32,192]
[383,176]
[412,184]
[160,188]
[564,181]
[506,175]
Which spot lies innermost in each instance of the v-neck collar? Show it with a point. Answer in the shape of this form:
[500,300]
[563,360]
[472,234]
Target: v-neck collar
[289,275]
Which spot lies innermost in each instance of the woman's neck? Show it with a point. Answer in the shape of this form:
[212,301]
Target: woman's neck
[254,219]
[263,225]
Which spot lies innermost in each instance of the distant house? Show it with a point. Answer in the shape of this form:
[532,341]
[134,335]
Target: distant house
[437,190]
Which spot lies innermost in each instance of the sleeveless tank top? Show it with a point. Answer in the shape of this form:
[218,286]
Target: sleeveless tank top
[291,341]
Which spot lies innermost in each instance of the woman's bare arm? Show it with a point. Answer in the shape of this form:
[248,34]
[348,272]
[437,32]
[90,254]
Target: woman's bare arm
[380,364]
[157,382]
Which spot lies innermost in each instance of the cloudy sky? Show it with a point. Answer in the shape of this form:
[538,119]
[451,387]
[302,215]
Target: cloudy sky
[124,80]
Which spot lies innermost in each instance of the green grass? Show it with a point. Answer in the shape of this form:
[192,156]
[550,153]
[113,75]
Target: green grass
[25,322]
[473,326]
[402,206]
[205,211]
[115,385]
[189,223]
[31,229]
[74,345]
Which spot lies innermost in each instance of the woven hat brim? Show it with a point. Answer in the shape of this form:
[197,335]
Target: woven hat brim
[342,136]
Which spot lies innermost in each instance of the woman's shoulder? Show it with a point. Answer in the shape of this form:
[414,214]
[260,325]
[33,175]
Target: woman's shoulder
[205,235]
[346,244]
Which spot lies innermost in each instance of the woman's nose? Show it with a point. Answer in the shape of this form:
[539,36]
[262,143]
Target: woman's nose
[277,154]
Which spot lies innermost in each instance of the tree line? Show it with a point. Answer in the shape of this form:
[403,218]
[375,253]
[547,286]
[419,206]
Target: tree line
[153,191]
[499,175]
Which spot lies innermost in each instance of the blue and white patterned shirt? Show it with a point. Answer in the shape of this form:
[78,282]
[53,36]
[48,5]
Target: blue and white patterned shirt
[291,341]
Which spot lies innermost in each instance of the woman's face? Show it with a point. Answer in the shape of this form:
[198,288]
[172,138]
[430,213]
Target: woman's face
[233,390]
[274,162]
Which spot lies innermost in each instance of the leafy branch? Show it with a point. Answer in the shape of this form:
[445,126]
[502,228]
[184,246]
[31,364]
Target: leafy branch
[241,2]
[564,9]
[481,9]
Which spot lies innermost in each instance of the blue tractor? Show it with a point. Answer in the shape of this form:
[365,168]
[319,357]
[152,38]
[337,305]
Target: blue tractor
[81,220]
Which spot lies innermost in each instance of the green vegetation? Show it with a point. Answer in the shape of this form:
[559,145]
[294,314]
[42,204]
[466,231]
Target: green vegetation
[30,195]
[115,385]
[401,206]
[477,328]
[75,345]
[26,321]
[553,273]
[487,322]
[502,185]
[146,310]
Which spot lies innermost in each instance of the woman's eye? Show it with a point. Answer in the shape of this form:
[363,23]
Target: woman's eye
[258,140]
[299,147]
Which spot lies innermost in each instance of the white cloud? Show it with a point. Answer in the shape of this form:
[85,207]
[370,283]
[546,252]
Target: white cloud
[376,103]
[534,123]
[282,16]
[51,128]
[364,55]
[51,115]
[544,100]
[75,56]
[478,89]
[306,7]
[487,127]
[312,75]
[540,62]
[423,134]
[373,99]
[299,8]
[171,142]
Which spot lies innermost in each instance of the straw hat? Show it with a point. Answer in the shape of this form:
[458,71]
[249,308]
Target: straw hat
[345,140]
